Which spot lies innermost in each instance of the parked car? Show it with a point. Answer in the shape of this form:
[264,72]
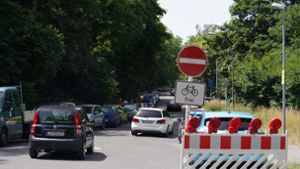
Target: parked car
[148,100]
[131,110]
[172,92]
[60,127]
[225,117]
[95,114]
[173,106]
[152,120]
[123,114]
[111,116]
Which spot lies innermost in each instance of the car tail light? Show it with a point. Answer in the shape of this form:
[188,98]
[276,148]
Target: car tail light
[135,120]
[254,125]
[33,126]
[234,125]
[274,125]
[162,121]
[213,125]
[77,123]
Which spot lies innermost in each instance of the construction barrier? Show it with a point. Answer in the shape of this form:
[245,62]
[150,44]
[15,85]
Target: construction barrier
[234,151]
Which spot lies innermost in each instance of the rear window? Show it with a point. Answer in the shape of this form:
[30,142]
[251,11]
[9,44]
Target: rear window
[107,110]
[225,123]
[56,117]
[87,109]
[149,113]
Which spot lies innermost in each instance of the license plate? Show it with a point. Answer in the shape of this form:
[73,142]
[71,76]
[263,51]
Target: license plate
[147,122]
[55,133]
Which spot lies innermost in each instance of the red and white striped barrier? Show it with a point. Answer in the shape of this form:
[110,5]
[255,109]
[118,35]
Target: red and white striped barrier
[234,151]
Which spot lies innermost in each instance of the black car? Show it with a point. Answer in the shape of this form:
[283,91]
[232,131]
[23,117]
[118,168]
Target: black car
[61,128]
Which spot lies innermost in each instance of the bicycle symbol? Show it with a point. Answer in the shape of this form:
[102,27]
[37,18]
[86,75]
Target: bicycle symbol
[189,89]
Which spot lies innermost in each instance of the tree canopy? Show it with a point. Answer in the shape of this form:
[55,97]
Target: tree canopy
[88,51]
[248,49]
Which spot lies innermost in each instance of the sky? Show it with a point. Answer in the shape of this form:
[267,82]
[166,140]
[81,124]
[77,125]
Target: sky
[183,15]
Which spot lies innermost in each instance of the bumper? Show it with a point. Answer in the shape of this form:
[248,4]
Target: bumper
[72,144]
[148,128]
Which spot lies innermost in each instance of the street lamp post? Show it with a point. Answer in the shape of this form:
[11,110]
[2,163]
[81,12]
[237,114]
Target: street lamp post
[282,6]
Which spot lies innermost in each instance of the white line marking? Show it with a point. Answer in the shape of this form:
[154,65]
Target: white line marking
[192,61]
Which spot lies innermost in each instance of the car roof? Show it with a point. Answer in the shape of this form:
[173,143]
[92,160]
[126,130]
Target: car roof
[89,105]
[151,108]
[2,89]
[224,114]
[57,106]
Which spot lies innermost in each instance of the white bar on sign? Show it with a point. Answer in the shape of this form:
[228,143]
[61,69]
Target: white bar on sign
[192,61]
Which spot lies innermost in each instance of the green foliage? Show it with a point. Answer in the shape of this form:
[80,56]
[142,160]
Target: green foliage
[30,51]
[85,51]
[248,51]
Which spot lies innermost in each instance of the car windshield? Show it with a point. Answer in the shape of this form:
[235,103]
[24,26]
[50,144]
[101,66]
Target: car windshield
[107,110]
[130,106]
[149,113]
[56,116]
[87,109]
[1,99]
[225,123]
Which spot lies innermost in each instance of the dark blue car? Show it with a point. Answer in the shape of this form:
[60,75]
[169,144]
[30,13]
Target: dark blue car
[111,116]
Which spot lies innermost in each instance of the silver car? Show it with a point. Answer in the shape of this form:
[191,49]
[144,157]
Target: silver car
[95,114]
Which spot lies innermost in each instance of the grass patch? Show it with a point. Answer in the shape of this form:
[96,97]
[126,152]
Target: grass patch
[266,115]
[293,166]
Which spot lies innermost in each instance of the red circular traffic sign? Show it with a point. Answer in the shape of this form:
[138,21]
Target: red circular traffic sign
[192,61]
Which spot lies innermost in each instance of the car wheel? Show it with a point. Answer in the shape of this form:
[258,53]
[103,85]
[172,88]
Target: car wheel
[103,125]
[81,153]
[167,132]
[90,150]
[33,153]
[3,138]
[170,132]
[134,133]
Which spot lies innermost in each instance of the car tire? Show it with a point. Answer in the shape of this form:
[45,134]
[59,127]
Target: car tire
[33,153]
[90,150]
[103,125]
[171,132]
[81,153]
[167,132]
[3,138]
[134,133]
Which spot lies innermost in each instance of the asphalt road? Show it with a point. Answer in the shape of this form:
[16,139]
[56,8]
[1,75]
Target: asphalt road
[114,149]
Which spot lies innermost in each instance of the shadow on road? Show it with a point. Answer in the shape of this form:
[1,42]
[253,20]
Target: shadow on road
[14,149]
[3,161]
[123,130]
[96,156]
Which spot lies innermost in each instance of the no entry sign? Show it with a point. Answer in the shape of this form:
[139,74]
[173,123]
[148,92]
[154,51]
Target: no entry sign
[192,61]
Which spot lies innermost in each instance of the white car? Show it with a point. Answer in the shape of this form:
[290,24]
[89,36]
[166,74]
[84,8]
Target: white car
[152,120]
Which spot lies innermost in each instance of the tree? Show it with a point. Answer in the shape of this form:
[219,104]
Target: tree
[30,51]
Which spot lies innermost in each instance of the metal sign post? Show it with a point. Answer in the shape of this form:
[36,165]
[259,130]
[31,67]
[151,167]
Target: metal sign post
[192,62]
[187,110]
